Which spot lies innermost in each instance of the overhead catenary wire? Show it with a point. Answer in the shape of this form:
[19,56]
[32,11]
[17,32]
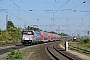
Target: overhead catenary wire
[73,8]
[81,18]
[76,11]
[25,11]
[61,6]
[16,6]
[2,10]
[14,3]
[38,16]
[22,11]
[16,17]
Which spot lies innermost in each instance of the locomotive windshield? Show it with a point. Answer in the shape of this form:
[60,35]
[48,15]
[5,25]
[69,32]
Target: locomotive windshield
[28,32]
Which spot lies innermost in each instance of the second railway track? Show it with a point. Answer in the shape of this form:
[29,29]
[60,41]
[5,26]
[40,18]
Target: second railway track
[58,53]
[54,53]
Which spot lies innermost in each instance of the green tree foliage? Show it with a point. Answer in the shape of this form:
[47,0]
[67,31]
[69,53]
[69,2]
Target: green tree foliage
[63,34]
[53,32]
[0,31]
[15,33]
[32,28]
[12,35]
[10,24]
[86,40]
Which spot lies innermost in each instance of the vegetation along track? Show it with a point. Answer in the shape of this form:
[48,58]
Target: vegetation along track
[59,53]
[6,49]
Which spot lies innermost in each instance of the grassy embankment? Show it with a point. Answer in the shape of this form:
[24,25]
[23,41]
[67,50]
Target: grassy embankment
[85,44]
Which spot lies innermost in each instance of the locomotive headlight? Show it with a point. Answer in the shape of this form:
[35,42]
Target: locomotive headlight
[30,38]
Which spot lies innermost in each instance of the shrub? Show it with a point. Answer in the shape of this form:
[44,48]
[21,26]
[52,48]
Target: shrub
[1,43]
[17,55]
[11,55]
[86,40]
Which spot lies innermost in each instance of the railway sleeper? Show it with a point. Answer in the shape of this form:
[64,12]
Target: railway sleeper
[64,54]
[53,54]
[87,52]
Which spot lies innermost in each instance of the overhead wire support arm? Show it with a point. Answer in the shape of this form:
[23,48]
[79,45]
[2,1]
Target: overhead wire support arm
[14,3]
[61,6]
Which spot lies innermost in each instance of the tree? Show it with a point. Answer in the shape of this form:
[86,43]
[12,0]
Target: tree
[10,24]
[15,34]
[32,28]
[53,32]
[63,34]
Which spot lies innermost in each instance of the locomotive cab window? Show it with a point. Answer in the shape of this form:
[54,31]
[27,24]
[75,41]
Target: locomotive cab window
[24,33]
[28,32]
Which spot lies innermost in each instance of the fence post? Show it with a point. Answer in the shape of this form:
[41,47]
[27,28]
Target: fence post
[66,46]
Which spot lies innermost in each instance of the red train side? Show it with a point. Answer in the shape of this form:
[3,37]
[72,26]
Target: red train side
[38,36]
[49,37]
[44,36]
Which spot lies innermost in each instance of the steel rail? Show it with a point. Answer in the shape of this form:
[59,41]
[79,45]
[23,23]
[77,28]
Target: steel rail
[63,53]
[52,54]
[56,55]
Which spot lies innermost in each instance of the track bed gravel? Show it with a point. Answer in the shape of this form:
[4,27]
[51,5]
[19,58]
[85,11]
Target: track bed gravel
[35,52]
[6,49]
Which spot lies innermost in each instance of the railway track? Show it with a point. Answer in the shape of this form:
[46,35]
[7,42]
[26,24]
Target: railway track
[53,48]
[5,50]
[58,55]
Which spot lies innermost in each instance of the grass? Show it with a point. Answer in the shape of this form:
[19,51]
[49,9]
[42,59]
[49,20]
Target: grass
[85,44]
[81,45]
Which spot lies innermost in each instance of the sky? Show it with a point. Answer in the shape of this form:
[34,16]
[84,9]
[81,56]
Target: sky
[68,16]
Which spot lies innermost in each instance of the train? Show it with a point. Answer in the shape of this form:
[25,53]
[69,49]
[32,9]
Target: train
[30,37]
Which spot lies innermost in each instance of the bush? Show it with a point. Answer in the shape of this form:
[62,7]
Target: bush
[86,40]
[11,55]
[10,36]
[1,43]
[17,55]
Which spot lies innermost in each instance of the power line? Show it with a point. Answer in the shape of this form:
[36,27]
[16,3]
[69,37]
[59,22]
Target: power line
[16,6]
[12,15]
[26,11]
[72,9]
[81,18]
[61,6]
[14,3]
